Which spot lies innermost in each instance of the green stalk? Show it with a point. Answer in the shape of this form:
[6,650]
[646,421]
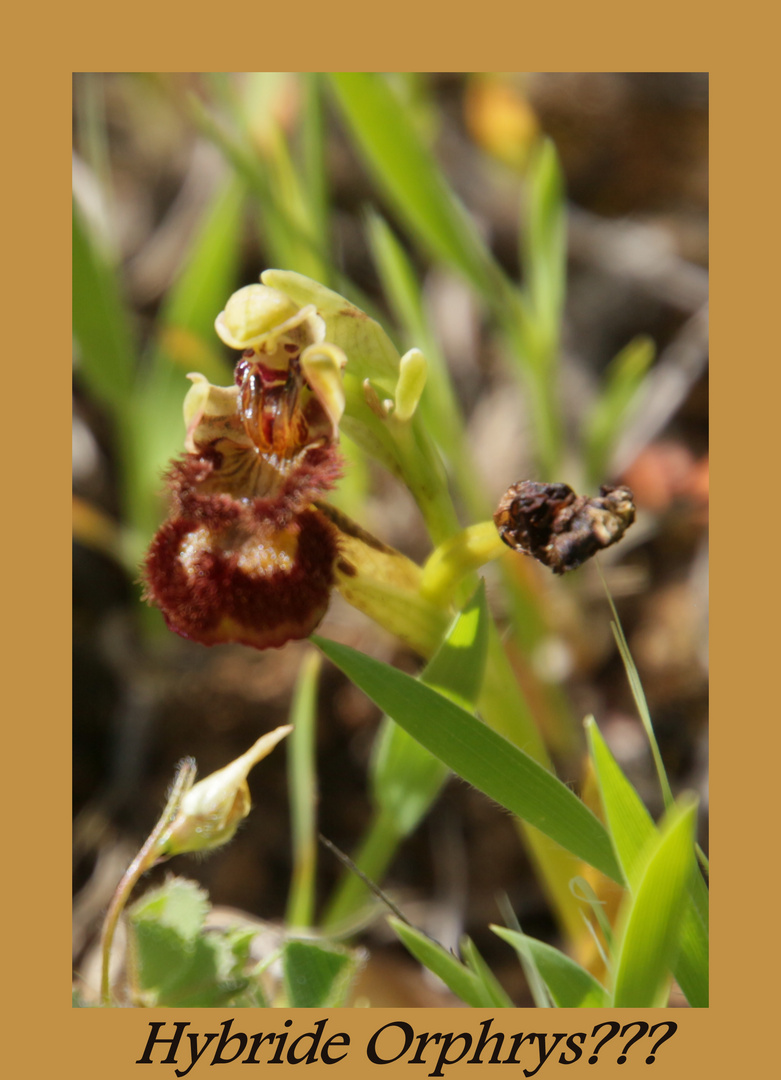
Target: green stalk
[302,785]
[143,861]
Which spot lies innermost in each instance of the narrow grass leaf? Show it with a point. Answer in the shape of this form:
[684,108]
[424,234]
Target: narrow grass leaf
[604,425]
[407,173]
[632,829]
[630,825]
[638,694]
[650,922]
[406,777]
[480,756]
[534,980]
[101,323]
[544,257]
[313,152]
[439,404]
[491,985]
[569,985]
[302,785]
[465,984]
[208,274]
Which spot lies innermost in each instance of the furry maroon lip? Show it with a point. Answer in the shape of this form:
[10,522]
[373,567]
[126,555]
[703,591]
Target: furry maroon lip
[246,583]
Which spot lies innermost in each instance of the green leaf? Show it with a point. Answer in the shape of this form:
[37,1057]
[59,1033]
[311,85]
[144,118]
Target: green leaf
[465,984]
[185,342]
[633,675]
[476,964]
[545,234]
[623,379]
[569,985]
[178,905]
[632,830]
[206,279]
[101,323]
[177,965]
[458,666]
[317,975]
[480,756]
[630,825]
[315,173]
[407,173]
[406,776]
[650,920]
[302,784]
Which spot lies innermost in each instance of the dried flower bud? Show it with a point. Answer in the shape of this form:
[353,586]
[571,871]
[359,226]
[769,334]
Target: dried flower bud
[211,811]
[560,528]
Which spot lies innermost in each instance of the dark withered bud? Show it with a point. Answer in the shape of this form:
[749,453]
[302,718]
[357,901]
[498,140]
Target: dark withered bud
[558,527]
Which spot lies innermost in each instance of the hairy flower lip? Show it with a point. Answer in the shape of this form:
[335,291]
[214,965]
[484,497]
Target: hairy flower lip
[256,571]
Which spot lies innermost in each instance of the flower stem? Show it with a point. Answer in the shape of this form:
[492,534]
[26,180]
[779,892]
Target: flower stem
[144,860]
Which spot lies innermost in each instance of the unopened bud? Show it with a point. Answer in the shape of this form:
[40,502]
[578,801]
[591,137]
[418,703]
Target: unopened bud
[211,811]
[413,370]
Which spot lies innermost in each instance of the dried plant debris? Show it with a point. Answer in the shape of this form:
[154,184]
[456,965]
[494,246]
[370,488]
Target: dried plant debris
[560,528]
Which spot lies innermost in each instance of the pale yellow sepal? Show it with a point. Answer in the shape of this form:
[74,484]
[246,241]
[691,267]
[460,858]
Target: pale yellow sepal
[211,811]
[385,585]
[206,405]
[322,366]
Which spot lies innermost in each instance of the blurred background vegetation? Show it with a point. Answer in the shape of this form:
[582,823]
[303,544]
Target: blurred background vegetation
[433,202]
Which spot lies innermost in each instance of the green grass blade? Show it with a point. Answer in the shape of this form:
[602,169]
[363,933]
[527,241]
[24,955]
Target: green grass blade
[480,756]
[569,985]
[650,922]
[101,322]
[604,425]
[407,173]
[465,984]
[405,777]
[477,964]
[630,825]
[544,257]
[638,694]
[208,274]
[534,980]
[302,785]
[313,153]
[186,341]
[439,404]
[632,830]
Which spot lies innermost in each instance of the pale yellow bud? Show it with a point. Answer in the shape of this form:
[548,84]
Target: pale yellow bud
[211,811]
[413,370]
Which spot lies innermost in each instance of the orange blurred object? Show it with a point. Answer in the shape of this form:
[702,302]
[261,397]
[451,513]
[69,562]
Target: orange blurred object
[665,472]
